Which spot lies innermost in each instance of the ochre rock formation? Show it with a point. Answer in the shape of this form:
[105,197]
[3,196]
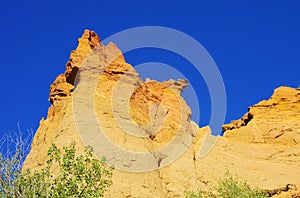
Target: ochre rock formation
[263,147]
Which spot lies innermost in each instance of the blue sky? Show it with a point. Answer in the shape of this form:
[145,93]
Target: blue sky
[254,43]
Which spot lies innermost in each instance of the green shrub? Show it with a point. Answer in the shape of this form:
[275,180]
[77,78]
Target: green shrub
[229,187]
[78,176]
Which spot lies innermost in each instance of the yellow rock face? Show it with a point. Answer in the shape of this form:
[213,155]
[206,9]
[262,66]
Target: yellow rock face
[273,121]
[262,148]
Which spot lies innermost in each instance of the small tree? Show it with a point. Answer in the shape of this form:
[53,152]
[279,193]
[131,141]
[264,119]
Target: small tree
[82,176]
[78,176]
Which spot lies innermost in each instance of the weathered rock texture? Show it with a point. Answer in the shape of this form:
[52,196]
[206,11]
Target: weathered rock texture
[263,147]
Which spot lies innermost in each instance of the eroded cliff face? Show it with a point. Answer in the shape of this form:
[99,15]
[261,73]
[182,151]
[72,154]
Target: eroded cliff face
[262,148]
[273,121]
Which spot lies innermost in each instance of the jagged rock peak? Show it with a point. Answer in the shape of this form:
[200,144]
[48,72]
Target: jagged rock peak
[64,83]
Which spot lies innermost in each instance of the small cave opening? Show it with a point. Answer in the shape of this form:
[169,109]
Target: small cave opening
[151,137]
[71,77]
[247,119]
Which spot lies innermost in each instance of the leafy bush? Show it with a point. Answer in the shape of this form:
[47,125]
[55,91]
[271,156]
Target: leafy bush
[229,187]
[77,176]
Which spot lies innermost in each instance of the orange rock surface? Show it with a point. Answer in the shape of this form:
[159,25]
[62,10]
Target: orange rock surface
[263,147]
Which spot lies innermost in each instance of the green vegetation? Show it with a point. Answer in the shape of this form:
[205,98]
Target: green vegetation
[229,187]
[68,174]
[75,176]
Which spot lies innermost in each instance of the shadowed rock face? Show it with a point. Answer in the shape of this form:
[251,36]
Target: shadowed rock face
[263,147]
[64,83]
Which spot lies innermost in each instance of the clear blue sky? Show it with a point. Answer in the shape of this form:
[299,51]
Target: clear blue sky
[254,43]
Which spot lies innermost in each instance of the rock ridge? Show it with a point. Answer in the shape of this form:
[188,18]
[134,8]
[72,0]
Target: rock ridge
[263,147]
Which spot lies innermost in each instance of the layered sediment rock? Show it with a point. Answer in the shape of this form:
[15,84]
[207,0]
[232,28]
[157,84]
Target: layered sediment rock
[263,147]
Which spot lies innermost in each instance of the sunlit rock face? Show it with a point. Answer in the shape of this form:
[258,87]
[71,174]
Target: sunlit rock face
[146,116]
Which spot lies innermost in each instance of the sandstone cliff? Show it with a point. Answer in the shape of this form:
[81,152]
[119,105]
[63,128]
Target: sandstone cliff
[263,147]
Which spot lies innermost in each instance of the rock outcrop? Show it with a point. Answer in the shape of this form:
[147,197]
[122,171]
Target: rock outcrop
[263,147]
[273,121]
